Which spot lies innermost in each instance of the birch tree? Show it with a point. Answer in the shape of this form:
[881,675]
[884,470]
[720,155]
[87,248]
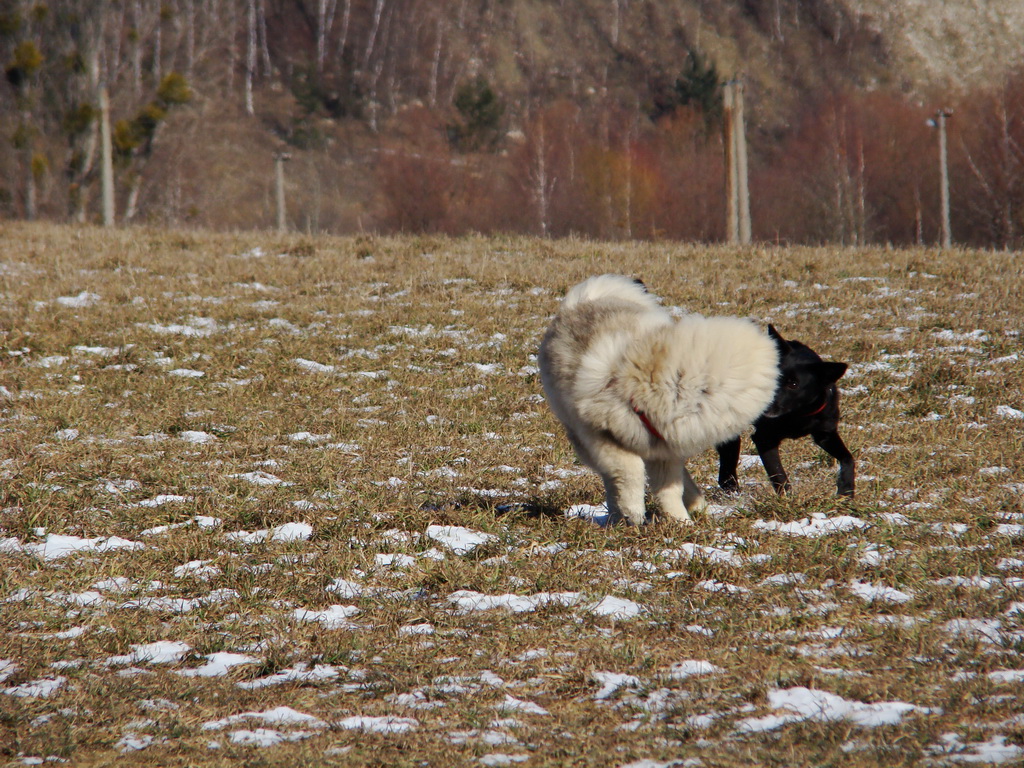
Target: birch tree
[250,57]
[324,22]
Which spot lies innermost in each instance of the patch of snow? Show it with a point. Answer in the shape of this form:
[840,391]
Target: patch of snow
[56,546]
[218,664]
[308,437]
[37,688]
[160,499]
[159,652]
[814,526]
[276,716]
[995,750]
[1007,676]
[799,704]
[612,682]
[692,667]
[313,366]
[83,299]
[596,514]
[616,608]
[334,617]
[468,601]
[519,706]
[195,327]
[260,477]
[498,759]
[133,742]
[871,593]
[986,630]
[297,674]
[459,540]
[385,724]
[285,532]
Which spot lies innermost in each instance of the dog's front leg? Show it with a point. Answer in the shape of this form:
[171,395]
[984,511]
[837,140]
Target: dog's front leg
[769,453]
[693,496]
[833,444]
[728,461]
[674,489]
[623,476]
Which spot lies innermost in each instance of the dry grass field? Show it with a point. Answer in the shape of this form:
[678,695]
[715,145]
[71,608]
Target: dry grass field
[277,500]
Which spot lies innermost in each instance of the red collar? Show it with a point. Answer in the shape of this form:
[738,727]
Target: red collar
[819,409]
[647,423]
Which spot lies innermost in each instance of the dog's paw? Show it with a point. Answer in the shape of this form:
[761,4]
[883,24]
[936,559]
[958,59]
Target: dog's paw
[696,507]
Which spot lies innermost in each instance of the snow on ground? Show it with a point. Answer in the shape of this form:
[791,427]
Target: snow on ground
[797,704]
[459,540]
[57,546]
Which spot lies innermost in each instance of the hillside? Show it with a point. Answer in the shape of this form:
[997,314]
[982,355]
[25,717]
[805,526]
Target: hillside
[592,118]
[960,44]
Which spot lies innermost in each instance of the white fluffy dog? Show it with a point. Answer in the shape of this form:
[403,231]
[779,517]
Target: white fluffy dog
[639,393]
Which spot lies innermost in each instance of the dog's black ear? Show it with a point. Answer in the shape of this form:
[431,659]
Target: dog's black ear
[641,283]
[780,342]
[832,372]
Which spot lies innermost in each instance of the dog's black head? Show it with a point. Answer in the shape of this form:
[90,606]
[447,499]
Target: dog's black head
[804,378]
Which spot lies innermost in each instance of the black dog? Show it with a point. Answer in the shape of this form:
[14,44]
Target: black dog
[807,403]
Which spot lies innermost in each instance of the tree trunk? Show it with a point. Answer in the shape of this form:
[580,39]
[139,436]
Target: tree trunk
[435,66]
[343,36]
[324,22]
[190,38]
[30,187]
[250,59]
[158,42]
[371,39]
[137,49]
[132,206]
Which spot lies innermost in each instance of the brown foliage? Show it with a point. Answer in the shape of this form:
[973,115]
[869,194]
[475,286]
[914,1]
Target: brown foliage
[987,165]
[859,168]
[415,177]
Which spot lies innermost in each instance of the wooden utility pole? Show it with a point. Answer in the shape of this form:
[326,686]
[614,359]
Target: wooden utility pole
[107,160]
[279,161]
[940,121]
[737,189]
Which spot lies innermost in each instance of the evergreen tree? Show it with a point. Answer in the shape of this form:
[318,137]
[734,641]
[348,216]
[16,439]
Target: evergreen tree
[480,113]
[699,85]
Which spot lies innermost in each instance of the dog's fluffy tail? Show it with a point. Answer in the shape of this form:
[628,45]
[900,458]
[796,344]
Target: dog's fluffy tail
[604,287]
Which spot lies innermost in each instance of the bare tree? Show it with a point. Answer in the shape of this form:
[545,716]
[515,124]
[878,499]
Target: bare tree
[158,27]
[540,176]
[264,47]
[435,64]
[371,38]
[616,20]
[250,59]
[343,35]
[190,37]
[324,22]
[137,44]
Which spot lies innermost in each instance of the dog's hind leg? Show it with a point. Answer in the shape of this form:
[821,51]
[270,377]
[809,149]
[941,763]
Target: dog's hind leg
[833,444]
[728,462]
[623,476]
[671,484]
